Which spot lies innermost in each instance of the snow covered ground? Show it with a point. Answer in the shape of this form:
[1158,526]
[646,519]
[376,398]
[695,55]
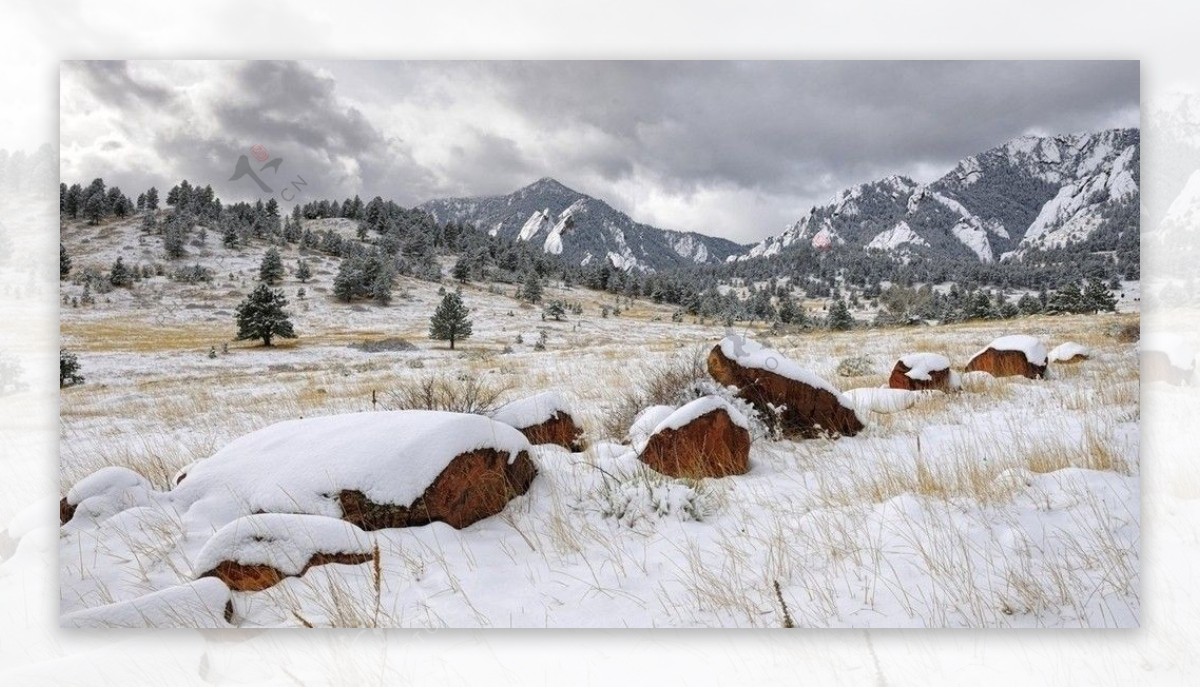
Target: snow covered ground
[1014,503]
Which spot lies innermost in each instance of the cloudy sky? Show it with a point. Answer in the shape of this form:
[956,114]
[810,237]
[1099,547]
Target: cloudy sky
[732,149]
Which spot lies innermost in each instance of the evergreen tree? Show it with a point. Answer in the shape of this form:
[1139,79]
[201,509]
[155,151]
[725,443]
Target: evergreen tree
[152,199]
[1067,299]
[1029,304]
[271,268]
[555,310]
[531,290]
[462,270]
[450,321]
[381,288]
[64,262]
[1096,297]
[149,223]
[839,316]
[229,237]
[175,239]
[261,316]
[93,208]
[68,369]
[119,275]
[303,272]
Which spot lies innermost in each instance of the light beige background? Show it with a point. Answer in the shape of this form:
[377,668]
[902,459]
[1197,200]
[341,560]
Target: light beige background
[35,35]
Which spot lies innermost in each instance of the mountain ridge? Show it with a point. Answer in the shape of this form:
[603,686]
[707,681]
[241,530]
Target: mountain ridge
[581,229]
[1030,192]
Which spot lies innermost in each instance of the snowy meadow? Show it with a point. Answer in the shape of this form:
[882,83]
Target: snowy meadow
[1011,502]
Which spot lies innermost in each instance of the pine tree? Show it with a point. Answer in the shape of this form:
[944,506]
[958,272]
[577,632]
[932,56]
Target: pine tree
[381,288]
[462,270]
[68,369]
[303,272]
[450,321]
[1096,297]
[261,316]
[175,239]
[555,310]
[1067,299]
[64,262]
[93,208]
[1029,304]
[152,199]
[839,316]
[119,276]
[531,290]
[271,268]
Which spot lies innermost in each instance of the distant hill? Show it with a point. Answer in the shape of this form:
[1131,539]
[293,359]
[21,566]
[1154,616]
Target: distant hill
[581,230]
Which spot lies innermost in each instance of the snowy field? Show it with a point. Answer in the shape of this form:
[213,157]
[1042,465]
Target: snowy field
[1013,503]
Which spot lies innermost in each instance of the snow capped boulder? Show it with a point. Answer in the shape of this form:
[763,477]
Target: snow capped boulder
[105,493]
[810,406]
[882,399]
[706,438]
[922,371]
[1015,354]
[544,419]
[1069,352]
[255,552]
[1166,358]
[379,469]
[644,425]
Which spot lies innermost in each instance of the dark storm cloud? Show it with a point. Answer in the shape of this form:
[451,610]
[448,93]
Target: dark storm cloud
[775,125]
[758,142]
[113,83]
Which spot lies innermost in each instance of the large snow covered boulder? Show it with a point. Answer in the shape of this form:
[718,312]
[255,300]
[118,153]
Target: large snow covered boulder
[644,424]
[921,371]
[380,469]
[706,438]
[1069,352]
[1015,354]
[104,494]
[1166,357]
[255,552]
[544,419]
[770,381]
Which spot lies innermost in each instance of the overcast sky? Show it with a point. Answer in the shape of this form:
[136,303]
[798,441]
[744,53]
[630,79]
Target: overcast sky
[725,148]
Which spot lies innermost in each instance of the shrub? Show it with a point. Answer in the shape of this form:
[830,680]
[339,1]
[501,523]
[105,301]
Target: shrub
[466,394]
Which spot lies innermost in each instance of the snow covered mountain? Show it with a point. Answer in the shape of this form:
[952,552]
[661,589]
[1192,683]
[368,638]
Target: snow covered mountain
[581,229]
[1046,192]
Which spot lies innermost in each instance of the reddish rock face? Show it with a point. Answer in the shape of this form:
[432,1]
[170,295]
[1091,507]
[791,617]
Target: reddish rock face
[1005,364]
[1156,367]
[711,446]
[560,429]
[255,577]
[66,511]
[899,379]
[473,486]
[810,412]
